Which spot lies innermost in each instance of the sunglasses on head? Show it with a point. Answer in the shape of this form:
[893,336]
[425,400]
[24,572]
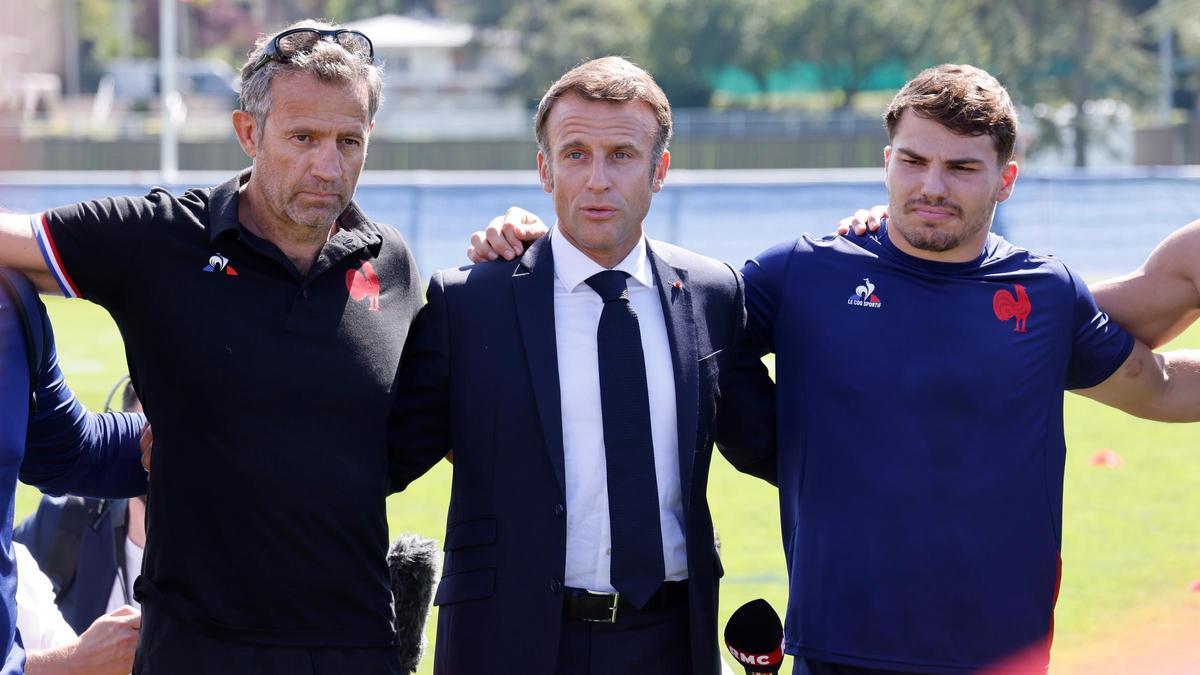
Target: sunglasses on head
[299,40]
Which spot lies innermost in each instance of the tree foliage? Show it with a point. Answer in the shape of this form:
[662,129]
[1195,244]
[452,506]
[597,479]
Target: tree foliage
[1064,52]
[557,35]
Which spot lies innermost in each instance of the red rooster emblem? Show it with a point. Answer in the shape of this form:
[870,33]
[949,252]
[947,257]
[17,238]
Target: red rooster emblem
[1007,307]
[363,283]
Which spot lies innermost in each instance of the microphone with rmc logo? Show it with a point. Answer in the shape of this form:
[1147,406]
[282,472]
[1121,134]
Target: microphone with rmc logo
[754,636]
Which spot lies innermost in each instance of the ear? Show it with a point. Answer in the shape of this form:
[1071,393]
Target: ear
[544,172]
[1008,181]
[246,127]
[887,157]
[660,171]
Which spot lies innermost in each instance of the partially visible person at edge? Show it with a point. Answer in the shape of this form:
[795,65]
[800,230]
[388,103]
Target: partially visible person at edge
[48,439]
[52,646]
[579,539]
[263,321]
[928,540]
[90,549]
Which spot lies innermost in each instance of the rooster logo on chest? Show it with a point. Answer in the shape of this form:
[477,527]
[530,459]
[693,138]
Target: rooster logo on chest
[1007,307]
[363,283]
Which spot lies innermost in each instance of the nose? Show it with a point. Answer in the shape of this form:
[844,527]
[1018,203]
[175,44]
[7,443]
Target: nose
[598,179]
[933,183]
[327,162]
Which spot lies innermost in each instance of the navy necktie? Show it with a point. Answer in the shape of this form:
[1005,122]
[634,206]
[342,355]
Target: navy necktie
[637,567]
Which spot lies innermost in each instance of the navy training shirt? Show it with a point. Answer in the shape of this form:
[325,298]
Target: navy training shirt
[269,393]
[921,444]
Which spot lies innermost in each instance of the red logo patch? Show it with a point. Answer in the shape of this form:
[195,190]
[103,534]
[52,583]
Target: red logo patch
[364,284]
[1007,307]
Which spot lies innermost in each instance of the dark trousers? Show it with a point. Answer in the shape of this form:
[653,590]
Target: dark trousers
[169,646]
[651,642]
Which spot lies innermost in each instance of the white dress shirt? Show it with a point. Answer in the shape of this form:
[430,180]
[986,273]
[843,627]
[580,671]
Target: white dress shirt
[41,625]
[576,316]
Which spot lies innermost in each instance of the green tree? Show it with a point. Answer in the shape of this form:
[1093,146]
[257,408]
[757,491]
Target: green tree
[851,40]
[850,43]
[557,35]
[690,40]
[482,12]
[1073,51]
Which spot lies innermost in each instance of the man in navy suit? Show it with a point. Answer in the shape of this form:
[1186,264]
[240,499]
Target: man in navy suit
[83,545]
[579,538]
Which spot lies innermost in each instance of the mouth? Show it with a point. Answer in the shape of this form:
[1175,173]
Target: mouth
[598,212]
[933,213]
[320,196]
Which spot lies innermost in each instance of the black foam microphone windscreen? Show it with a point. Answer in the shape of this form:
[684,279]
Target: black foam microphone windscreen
[413,563]
[754,636]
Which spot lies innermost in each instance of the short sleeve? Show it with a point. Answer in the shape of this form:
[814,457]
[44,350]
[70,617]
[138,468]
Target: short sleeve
[92,247]
[1099,345]
[764,277]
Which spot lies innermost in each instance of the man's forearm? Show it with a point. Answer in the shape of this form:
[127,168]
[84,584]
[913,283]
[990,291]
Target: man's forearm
[1181,402]
[95,455]
[1163,387]
[53,661]
[745,428]
[105,648]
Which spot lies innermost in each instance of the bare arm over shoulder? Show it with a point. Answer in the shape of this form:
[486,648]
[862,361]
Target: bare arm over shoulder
[1163,387]
[1162,298]
[19,251]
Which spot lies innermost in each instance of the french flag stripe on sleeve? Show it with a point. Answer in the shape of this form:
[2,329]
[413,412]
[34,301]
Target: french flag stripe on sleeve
[50,254]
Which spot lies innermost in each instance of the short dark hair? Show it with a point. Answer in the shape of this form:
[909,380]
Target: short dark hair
[964,99]
[610,78]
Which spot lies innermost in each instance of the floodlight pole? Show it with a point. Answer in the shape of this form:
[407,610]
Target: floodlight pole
[168,94]
[1166,60]
[71,46]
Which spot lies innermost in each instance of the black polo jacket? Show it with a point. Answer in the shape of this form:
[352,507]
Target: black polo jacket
[269,394]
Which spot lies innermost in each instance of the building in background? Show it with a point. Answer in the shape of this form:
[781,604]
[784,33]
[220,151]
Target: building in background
[446,80]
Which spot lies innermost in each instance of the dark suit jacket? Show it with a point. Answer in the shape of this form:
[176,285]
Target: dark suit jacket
[480,375]
[90,562]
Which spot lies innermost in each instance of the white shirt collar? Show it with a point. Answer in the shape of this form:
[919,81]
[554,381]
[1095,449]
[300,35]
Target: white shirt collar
[572,267]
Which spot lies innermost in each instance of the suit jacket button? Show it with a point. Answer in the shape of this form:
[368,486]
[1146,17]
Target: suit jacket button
[559,510]
[555,585]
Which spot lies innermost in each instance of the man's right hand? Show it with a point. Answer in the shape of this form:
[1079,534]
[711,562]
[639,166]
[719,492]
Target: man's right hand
[506,236]
[108,644]
[105,648]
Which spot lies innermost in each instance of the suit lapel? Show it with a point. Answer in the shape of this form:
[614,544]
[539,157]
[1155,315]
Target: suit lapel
[676,298]
[533,290]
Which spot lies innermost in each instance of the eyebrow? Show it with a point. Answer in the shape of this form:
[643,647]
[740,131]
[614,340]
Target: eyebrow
[312,131]
[570,144]
[957,161]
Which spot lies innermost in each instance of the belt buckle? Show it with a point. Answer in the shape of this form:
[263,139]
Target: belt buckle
[612,610]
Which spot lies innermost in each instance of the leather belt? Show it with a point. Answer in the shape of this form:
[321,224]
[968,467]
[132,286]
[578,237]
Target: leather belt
[584,605]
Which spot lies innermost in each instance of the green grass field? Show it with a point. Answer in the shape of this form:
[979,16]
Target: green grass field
[1131,546]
